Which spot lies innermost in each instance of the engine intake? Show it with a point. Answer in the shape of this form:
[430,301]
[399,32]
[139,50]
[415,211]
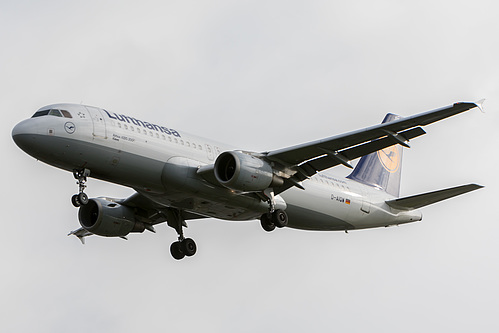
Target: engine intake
[107,218]
[243,172]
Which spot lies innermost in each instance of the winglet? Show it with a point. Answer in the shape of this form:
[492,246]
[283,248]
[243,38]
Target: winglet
[81,238]
[81,234]
[479,104]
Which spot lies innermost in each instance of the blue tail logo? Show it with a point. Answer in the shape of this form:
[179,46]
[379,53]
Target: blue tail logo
[390,158]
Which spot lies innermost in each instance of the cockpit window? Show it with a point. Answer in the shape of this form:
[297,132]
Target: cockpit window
[66,114]
[41,113]
[56,113]
[53,112]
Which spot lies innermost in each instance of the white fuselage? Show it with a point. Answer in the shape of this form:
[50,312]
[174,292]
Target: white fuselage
[162,164]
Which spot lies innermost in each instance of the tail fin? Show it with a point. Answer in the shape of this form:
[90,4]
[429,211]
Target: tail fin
[383,168]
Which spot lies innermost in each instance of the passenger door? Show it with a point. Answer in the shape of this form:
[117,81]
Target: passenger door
[98,122]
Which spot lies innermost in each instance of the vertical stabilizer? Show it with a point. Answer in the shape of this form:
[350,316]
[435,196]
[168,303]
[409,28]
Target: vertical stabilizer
[381,169]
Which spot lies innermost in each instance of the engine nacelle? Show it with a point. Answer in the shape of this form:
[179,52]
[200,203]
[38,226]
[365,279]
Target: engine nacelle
[107,218]
[243,172]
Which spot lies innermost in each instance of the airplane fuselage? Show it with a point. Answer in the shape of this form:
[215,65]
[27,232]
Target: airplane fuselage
[162,164]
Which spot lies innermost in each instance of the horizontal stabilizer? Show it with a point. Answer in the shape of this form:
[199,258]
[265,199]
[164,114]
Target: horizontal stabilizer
[425,199]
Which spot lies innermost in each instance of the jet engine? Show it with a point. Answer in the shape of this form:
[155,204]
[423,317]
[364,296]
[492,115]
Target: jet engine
[244,172]
[108,218]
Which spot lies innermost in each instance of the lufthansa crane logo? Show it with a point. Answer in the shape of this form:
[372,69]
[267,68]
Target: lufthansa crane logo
[70,127]
[390,158]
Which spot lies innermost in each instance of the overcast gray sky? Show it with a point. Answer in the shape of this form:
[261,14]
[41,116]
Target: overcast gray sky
[260,75]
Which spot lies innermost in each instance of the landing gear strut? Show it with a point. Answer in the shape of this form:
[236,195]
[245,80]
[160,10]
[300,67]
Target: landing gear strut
[81,198]
[275,217]
[184,246]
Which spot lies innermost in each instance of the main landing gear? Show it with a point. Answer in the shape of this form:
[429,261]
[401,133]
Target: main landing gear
[81,198]
[275,217]
[184,246]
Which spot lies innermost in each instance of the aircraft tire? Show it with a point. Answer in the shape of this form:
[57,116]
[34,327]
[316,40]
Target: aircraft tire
[83,198]
[176,252]
[188,247]
[266,223]
[280,218]
[75,201]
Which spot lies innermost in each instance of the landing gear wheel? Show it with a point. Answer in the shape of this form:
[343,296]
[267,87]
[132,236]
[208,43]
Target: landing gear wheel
[75,201]
[266,223]
[184,246]
[188,247]
[280,218]
[176,251]
[83,198]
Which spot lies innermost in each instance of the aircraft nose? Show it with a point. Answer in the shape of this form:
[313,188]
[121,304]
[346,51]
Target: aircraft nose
[18,129]
[23,134]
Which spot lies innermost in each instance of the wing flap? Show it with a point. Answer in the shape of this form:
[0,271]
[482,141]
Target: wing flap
[326,162]
[425,199]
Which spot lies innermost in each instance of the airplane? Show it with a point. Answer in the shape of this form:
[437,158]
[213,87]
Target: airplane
[178,176]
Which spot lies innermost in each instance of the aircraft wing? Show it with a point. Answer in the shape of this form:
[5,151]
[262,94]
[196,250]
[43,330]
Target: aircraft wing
[151,213]
[137,200]
[304,160]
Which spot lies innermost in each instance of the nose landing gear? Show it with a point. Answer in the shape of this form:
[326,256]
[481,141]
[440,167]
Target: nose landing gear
[81,198]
